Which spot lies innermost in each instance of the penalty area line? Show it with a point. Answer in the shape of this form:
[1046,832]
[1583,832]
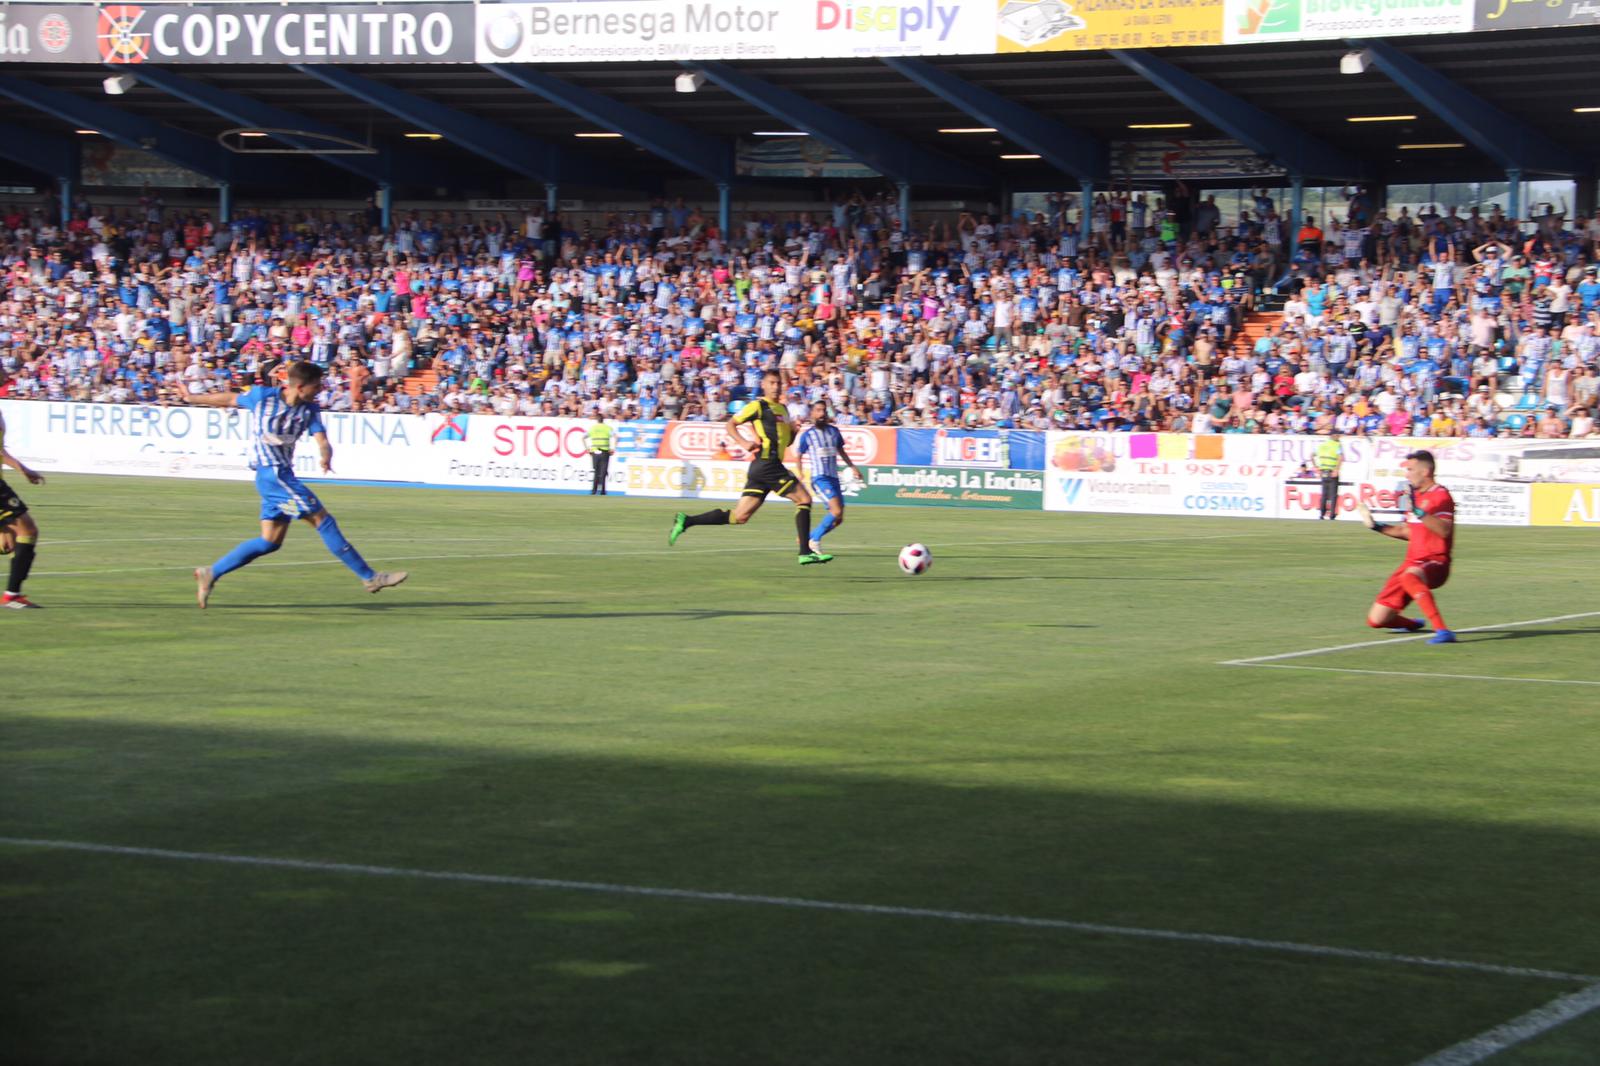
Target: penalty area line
[795,903]
[1537,1022]
[1403,640]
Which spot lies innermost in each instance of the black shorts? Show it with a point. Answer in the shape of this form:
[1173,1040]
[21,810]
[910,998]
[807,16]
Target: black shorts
[769,475]
[11,505]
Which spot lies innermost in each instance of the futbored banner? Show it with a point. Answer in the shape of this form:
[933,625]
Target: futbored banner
[618,30]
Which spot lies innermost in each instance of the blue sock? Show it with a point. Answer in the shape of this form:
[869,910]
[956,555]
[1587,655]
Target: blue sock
[242,553]
[823,527]
[342,549]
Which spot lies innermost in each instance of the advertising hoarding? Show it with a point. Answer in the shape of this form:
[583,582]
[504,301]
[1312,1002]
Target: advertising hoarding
[622,30]
[283,33]
[944,487]
[1251,21]
[1534,14]
[1081,25]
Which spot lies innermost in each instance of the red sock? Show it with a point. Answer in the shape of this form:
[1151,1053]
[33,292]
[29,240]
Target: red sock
[1418,590]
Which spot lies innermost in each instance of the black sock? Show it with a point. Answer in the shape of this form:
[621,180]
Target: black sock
[802,526]
[21,563]
[709,518]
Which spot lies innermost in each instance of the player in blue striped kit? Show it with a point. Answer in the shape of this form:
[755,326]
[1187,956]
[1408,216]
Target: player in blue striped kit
[821,447]
[279,417]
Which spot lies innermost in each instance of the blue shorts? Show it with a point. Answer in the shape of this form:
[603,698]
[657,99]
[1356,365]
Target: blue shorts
[283,496]
[826,488]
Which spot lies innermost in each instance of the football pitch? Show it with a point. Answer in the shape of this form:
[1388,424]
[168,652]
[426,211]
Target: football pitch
[570,796]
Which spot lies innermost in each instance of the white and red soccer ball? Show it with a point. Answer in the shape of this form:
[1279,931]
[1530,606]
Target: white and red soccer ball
[915,559]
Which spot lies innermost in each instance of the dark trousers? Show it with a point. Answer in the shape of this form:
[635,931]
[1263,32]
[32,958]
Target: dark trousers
[1330,496]
[602,464]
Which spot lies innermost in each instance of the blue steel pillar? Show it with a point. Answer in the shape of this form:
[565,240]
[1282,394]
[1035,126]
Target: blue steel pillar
[1297,210]
[224,203]
[725,212]
[1085,209]
[64,192]
[1514,198]
[905,206]
[386,206]
[551,200]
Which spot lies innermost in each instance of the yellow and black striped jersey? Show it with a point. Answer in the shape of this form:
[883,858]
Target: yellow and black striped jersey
[772,426]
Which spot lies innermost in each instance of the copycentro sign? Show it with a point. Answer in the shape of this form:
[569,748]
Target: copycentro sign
[617,30]
[273,33]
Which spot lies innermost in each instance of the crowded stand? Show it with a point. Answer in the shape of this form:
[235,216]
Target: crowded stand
[1150,316]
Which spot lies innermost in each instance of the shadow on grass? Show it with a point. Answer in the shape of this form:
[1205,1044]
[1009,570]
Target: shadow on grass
[688,615]
[392,603]
[1116,578]
[1530,632]
[125,959]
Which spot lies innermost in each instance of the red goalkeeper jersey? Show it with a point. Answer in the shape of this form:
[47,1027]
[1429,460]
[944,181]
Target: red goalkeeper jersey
[1426,546]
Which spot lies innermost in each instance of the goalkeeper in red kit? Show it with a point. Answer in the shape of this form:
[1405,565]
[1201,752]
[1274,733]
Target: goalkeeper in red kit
[1429,531]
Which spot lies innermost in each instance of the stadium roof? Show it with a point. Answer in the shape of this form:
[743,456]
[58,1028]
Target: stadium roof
[1534,79]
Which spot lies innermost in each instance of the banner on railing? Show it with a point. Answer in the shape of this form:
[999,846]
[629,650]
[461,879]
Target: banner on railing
[944,487]
[1495,481]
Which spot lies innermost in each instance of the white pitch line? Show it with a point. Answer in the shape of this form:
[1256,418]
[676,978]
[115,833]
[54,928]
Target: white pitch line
[641,551]
[1404,640]
[1536,1022]
[1210,939]
[1414,673]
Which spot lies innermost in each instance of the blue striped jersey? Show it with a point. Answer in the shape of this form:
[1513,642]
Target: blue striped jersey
[275,426]
[820,446]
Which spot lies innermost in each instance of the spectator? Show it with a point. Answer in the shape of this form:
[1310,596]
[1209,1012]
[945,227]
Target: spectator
[1127,322]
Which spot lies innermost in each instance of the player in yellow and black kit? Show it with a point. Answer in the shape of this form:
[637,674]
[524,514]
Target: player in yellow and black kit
[774,432]
[19,534]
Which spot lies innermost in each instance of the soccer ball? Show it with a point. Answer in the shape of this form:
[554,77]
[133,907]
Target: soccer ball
[915,558]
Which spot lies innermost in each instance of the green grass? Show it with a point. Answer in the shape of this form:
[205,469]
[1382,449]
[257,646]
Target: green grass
[1037,727]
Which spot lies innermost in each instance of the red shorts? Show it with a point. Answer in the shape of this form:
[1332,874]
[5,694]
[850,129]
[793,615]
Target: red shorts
[1435,572]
